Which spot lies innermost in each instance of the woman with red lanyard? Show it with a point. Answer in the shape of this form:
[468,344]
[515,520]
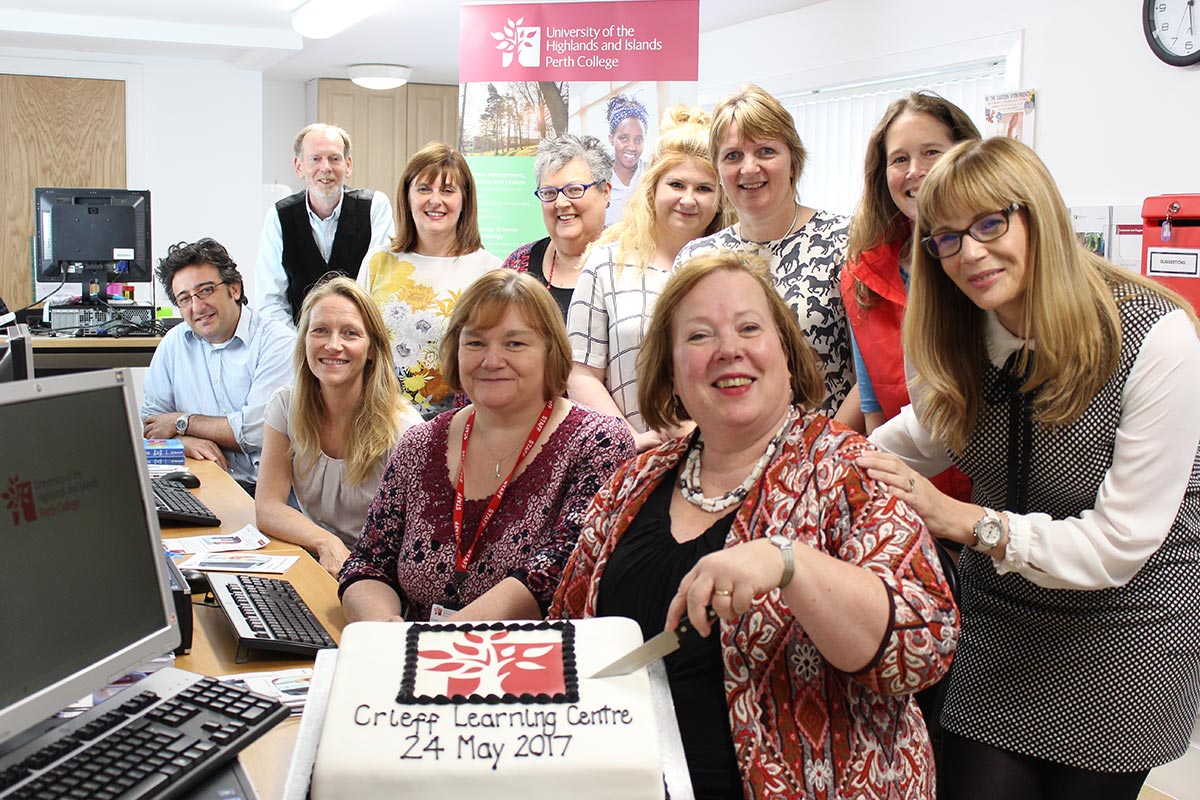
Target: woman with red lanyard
[479,508]
[912,135]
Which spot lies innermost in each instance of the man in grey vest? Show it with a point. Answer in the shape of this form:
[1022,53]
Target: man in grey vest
[324,227]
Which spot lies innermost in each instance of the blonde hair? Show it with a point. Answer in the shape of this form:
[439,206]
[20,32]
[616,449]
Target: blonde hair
[656,366]
[1067,306]
[379,418]
[683,135]
[433,161]
[486,301]
[758,116]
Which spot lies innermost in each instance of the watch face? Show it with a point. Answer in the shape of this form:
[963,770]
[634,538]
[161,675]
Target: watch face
[1171,32]
[181,424]
[989,532]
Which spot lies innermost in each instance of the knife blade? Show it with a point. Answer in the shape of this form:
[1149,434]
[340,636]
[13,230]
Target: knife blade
[654,648]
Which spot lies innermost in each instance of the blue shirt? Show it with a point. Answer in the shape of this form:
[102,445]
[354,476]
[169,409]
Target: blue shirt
[234,379]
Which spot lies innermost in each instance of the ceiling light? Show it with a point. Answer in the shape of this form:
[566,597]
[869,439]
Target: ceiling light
[320,19]
[379,76]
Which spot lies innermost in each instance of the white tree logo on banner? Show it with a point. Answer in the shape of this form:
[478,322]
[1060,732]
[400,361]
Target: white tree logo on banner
[525,42]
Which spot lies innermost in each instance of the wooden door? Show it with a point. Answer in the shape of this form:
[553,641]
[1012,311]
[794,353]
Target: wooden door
[67,132]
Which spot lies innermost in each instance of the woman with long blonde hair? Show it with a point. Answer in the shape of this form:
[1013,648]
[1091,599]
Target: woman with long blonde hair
[1066,389]
[328,437]
[678,199]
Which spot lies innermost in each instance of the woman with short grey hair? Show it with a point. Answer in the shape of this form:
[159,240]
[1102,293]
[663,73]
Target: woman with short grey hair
[573,175]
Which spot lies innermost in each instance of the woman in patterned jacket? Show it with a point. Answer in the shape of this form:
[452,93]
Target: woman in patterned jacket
[833,608]
[1066,389]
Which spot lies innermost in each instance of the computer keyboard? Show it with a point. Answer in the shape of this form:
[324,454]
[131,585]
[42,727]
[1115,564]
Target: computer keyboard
[176,504]
[268,614]
[156,740]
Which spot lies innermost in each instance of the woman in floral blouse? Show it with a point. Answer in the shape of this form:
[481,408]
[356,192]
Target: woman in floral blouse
[417,278]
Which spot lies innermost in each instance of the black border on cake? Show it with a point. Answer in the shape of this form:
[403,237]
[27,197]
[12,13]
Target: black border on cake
[408,681]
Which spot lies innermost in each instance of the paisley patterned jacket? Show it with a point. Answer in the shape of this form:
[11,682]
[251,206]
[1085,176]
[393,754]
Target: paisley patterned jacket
[801,728]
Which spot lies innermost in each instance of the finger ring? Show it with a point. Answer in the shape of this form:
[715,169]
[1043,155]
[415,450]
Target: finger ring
[722,592]
[912,485]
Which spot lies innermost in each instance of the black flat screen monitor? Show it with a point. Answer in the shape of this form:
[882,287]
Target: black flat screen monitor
[16,356]
[93,236]
[84,597]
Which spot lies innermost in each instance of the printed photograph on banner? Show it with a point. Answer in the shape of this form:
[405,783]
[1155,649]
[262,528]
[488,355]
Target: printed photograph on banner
[509,118]
[500,126]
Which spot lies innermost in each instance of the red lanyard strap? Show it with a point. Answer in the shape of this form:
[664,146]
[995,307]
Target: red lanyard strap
[463,560]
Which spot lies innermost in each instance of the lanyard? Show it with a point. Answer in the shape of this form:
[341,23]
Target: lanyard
[462,560]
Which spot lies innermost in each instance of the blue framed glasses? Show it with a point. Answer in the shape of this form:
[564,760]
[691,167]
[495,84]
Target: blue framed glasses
[987,228]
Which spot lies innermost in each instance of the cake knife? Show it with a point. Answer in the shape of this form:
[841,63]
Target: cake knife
[653,649]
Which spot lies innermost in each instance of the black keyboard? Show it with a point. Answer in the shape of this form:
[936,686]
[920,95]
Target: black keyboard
[157,739]
[268,614]
[176,504]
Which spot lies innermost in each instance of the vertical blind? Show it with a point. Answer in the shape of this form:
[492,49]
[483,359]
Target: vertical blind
[835,125]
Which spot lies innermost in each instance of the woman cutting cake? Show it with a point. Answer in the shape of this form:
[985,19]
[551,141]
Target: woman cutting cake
[832,605]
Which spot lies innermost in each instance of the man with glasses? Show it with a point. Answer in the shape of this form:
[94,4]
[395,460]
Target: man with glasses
[210,380]
[324,227]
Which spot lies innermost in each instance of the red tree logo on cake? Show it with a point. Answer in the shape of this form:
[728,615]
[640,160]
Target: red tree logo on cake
[485,663]
[19,499]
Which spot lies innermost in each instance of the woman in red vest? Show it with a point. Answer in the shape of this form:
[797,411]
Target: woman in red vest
[913,133]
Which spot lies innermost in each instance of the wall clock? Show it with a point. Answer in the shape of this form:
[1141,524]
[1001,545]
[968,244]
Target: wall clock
[1171,32]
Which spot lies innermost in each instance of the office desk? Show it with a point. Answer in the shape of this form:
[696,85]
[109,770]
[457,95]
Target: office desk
[58,355]
[213,642]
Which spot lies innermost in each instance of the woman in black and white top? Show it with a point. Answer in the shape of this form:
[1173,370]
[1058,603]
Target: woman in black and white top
[759,157]
[1066,389]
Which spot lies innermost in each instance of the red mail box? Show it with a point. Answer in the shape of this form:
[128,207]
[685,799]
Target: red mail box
[1171,243]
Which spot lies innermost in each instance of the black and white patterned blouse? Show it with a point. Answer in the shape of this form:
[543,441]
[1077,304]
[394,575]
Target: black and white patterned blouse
[807,266]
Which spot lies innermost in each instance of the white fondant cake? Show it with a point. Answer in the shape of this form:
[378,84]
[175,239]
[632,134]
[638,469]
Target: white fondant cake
[496,710]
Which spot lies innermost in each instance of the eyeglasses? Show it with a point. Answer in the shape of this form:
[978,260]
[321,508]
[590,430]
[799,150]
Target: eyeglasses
[573,191]
[203,293]
[989,227]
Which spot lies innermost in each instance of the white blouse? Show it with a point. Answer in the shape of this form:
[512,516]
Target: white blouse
[1156,443]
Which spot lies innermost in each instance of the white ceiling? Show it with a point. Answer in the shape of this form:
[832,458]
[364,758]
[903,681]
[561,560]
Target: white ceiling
[257,34]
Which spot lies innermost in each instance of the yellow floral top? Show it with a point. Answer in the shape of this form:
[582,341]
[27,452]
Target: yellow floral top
[416,294]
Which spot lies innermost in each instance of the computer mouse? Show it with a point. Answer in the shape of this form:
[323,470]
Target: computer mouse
[197,581]
[186,479]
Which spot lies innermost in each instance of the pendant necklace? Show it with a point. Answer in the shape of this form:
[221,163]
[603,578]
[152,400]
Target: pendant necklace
[773,243]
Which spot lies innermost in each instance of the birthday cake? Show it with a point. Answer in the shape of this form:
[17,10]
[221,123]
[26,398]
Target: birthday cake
[498,710]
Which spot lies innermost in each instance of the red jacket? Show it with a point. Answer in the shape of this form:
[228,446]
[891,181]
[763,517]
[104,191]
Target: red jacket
[877,332]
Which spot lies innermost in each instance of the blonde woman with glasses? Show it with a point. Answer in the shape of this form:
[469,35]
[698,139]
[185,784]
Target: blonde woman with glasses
[1066,389]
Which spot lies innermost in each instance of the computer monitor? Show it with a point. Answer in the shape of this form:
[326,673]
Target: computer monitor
[84,597]
[93,236]
[16,356]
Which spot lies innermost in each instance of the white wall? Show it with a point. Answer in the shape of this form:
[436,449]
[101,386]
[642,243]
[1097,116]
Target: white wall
[1112,120]
[282,117]
[193,130]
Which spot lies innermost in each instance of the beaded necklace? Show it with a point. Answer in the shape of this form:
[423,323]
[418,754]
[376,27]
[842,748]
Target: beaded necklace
[689,475]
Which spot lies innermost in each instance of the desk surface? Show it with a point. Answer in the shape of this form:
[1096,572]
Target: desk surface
[213,642]
[130,343]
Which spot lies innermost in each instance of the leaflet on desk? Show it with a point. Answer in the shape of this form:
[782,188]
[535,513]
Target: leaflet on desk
[248,538]
[240,562]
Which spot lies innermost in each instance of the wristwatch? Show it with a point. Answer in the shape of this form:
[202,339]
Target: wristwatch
[789,561]
[181,424]
[989,530]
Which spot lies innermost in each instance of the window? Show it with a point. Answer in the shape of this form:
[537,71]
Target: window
[835,124]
